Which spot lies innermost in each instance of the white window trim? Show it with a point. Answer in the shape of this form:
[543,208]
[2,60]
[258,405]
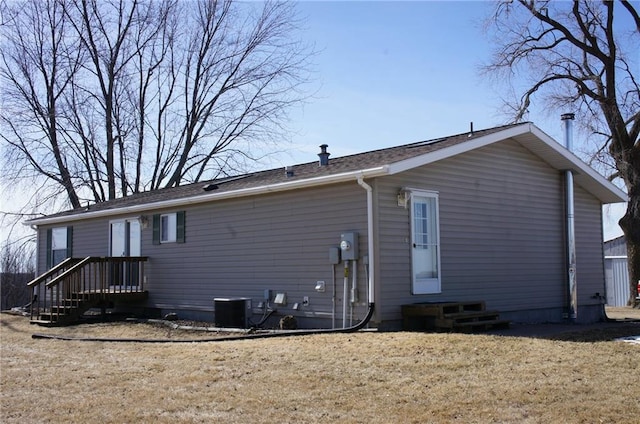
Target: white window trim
[434,286]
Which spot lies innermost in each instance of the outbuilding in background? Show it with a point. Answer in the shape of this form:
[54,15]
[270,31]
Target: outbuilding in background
[616,271]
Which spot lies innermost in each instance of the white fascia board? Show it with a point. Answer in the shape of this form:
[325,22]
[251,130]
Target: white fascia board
[204,198]
[448,152]
[576,164]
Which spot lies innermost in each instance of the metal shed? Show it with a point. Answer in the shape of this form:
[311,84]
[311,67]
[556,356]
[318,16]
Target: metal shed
[616,271]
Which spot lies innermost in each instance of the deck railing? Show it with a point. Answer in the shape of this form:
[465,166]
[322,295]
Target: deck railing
[76,280]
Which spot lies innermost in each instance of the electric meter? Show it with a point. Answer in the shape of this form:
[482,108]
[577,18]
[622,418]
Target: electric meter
[349,246]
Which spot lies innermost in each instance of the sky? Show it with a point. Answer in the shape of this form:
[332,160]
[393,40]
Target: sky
[391,73]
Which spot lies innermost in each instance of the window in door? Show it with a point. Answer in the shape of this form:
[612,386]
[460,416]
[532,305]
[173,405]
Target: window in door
[425,250]
[125,241]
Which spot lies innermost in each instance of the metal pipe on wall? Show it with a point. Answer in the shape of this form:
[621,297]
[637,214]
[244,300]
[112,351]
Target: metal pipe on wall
[353,295]
[345,293]
[333,296]
[568,118]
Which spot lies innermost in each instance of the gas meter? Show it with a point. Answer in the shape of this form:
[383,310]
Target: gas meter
[349,246]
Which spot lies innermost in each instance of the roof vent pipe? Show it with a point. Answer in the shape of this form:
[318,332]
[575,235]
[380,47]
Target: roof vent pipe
[288,170]
[567,119]
[324,155]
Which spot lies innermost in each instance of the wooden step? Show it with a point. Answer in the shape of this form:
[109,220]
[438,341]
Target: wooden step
[449,323]
[439,309]
[76,299]
[52,319]
[43,323]
[470,315]
[47,317]
[450,316]
[460,307]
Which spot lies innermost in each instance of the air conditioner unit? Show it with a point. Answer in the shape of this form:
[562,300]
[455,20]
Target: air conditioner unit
[232,312]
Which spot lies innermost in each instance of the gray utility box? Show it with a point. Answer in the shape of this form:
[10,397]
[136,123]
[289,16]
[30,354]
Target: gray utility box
[232,312]
[349,246]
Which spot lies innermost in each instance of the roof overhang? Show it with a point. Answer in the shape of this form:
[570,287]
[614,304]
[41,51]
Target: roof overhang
[204,198]
[540,144]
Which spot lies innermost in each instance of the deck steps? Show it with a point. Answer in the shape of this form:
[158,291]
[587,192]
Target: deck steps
[464,317]
[70,311]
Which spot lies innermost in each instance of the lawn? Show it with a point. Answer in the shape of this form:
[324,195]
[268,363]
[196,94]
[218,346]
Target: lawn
[365,377]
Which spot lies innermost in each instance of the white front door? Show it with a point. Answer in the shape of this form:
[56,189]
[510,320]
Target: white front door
[125,241]
[425,243]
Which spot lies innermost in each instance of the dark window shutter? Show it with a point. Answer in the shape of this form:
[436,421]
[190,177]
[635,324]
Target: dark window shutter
[180,226]
[156,229]
[49,258]
[69,242]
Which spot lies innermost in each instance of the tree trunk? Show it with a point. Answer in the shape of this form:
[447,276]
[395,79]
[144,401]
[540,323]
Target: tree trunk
[630,224]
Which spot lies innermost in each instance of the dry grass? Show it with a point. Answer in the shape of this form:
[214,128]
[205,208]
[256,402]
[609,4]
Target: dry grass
[346,378]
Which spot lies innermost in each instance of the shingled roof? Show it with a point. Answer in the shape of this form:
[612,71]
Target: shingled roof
[364,165]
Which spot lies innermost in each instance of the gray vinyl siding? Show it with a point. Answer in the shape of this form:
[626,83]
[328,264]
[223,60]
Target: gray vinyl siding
[501,231]
[242,247]
[589,250]
[90,238]
[41,254]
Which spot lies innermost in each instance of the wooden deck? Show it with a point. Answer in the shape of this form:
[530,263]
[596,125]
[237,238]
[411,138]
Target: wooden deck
[62,294]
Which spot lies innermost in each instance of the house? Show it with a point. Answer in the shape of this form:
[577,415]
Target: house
[616,271]
[478,216]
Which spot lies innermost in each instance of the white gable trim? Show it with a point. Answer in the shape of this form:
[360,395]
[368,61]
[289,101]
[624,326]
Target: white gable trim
[577,165]
[540,144]
[448,152]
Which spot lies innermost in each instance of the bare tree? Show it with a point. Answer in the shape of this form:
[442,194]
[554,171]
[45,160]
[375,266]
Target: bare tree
[581,56]
[109,98]
[36,70]
[114,34]
[239,74]
[17,268]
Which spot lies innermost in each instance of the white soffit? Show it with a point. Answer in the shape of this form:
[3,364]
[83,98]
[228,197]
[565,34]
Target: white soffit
[556,155]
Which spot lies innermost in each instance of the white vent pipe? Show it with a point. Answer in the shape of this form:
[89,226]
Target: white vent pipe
[568,118]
